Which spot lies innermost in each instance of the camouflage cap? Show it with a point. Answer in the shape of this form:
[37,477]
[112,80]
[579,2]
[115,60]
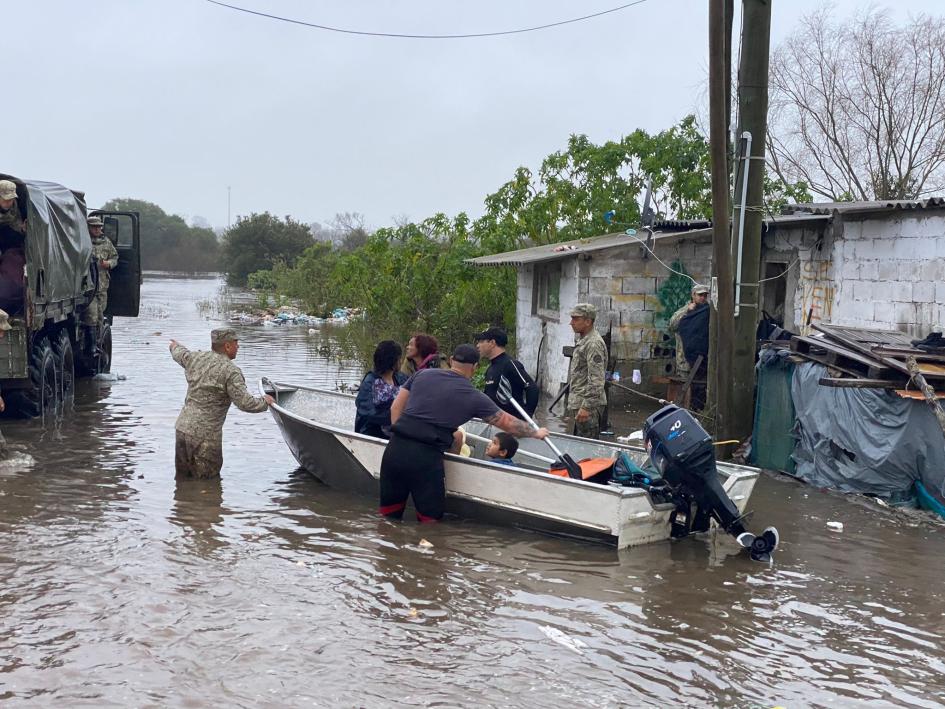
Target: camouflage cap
[699,288]
[584,310]
[95,221]
[222,335]
[7,190]
[5,320]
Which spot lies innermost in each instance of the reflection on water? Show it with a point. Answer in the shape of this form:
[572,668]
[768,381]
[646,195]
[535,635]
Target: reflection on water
[122,586]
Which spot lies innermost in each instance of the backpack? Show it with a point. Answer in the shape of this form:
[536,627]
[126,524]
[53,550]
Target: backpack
[530,390]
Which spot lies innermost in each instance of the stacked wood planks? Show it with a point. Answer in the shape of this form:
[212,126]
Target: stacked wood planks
[858,357]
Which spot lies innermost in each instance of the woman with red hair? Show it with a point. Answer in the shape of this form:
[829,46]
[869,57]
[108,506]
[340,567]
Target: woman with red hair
[422,352]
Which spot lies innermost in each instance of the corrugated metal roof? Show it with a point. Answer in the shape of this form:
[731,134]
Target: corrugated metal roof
[866,207]
[569,249]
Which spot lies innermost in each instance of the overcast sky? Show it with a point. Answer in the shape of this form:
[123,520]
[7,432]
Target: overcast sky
[173,101]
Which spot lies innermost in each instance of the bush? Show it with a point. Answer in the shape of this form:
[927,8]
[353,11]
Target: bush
[259,242]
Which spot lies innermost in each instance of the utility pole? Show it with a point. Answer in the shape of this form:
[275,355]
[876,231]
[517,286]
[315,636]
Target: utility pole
[753,117]
[722,328]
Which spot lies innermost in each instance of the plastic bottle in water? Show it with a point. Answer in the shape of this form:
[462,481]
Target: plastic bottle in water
[615,377]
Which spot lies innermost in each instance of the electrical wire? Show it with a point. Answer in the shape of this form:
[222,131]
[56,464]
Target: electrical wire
[653,253]
[686,275]
[398,35]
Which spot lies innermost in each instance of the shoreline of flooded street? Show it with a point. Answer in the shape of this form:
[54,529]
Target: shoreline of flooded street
[121,586]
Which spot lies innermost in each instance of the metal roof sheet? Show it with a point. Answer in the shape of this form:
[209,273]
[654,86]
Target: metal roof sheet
[889,205]
[570,249]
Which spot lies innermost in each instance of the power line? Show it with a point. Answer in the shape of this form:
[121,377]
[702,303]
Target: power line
[424,36]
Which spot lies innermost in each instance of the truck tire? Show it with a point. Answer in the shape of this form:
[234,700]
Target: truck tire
[105,350]
[65,367]
[41,396]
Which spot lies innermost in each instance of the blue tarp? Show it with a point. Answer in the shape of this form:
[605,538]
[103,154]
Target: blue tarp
[864,440]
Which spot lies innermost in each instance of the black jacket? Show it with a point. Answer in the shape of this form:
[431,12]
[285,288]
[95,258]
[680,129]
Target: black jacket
[506,378]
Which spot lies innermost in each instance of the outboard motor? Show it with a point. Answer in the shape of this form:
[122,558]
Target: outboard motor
[682,451]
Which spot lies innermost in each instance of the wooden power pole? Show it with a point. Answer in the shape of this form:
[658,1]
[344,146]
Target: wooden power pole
[723,325]
[753,117]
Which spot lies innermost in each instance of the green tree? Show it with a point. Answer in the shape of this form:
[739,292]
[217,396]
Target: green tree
[310,279]
[167,242]
[259,242]
[573,188]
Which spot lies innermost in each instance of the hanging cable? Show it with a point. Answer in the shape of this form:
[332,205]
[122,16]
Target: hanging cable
[398,35]
[659,260]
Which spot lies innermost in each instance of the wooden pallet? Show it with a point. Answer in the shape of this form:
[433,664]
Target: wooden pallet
[843,339]
[902,353]
[834,355]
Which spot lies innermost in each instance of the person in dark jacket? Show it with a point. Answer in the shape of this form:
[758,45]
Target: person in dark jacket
[693,329]
[378,390]
[506,378]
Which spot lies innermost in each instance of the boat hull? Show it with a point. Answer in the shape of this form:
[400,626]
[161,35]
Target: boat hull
[479,489]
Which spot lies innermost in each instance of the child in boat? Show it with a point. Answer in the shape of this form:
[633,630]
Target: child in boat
[503,447]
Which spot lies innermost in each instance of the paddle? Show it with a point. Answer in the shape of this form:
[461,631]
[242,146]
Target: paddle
[574,470]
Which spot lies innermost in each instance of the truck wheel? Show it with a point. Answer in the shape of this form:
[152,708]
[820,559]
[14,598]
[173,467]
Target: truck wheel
[65,367]
[105,350]
[42,394]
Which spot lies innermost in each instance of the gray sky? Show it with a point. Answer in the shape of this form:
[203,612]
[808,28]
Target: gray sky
[174,100]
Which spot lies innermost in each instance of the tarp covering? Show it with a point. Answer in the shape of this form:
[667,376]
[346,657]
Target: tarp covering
[773,439]
[864,440]
[57,241]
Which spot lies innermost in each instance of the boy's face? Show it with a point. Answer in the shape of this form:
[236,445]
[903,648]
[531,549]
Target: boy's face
[494,450]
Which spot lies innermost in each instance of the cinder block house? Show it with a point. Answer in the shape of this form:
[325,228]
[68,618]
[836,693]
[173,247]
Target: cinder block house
[863,264]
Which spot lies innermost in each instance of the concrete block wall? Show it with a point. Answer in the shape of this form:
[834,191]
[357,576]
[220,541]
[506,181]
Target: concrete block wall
[889,272]
[624,288]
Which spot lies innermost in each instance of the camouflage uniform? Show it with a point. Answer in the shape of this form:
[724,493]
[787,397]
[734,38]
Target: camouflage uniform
[682,366]
[213,383]
[586,378]
[11,218]
[102,250]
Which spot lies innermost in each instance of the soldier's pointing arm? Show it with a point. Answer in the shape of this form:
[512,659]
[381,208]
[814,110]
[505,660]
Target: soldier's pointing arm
[240,396]
[180,353]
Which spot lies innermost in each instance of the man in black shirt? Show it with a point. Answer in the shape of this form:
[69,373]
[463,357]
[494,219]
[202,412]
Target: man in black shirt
[428,409]
[506,378]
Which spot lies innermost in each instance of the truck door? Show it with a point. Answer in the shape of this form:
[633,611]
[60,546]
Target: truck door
[124,291]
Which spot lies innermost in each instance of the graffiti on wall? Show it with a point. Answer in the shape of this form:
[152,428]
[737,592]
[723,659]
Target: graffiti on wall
[816,290]
[673,294]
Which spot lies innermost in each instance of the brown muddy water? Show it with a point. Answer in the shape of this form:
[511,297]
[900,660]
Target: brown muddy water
[122,588]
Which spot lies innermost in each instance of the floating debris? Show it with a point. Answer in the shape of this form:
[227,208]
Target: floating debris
[288,315]
[835,526]
[574,644]
[425,544]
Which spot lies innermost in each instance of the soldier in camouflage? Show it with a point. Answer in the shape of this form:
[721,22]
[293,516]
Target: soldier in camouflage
[698,296]
[213,383]
[586,398]
[9,210]
[106,256]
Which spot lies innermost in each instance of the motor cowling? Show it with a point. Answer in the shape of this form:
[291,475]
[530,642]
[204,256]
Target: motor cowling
[674,439]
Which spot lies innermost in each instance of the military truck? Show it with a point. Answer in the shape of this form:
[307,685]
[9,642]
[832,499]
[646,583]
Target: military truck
[49,345]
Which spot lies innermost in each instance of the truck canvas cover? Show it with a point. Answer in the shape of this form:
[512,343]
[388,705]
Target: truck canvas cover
[58,244]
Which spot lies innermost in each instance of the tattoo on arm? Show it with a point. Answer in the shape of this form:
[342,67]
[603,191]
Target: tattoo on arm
[510,424]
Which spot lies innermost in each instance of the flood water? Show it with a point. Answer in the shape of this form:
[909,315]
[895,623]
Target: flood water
[120,587]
